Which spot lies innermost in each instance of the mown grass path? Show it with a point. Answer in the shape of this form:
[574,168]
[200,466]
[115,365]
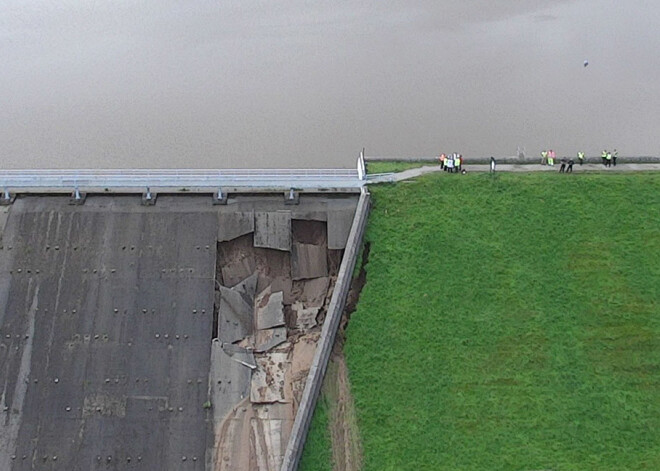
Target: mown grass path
[510,322]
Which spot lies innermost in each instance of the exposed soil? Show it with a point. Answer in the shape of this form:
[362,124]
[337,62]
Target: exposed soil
[344,432]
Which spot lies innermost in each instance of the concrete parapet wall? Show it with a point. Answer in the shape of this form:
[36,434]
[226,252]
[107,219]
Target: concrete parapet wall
[328,333]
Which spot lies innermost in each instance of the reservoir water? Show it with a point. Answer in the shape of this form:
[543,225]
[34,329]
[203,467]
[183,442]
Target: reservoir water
[246,83]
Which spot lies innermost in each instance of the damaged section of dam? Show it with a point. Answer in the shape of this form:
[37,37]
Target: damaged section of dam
[175,336]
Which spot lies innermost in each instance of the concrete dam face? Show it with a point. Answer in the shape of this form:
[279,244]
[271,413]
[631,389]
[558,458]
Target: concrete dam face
[169,337]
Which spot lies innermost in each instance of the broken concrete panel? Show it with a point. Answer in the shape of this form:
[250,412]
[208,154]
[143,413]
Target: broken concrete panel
[235,224]
[229,379]
[242,355]
[315,291]
[339,226]
[234,315]
[247,288]
[269,310]
[235,271]
[268,383]
[308,261]
[267,339]
[305,317]
[273,230]
[285,285]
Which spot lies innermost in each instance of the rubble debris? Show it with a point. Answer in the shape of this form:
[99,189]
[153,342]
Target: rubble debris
[267,339]
[268,380]
[305,317]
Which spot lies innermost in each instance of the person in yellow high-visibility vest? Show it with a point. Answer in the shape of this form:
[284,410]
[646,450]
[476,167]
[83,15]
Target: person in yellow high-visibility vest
[581,157]
[544,157]
[603,156]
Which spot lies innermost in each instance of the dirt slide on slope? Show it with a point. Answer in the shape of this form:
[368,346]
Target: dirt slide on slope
[344,431]
[345,436]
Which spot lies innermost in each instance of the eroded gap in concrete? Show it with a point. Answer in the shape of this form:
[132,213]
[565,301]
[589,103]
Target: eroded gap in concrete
[270,305]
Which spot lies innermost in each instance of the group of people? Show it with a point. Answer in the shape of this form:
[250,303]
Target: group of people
[609,158]
[452,163]
[548,157]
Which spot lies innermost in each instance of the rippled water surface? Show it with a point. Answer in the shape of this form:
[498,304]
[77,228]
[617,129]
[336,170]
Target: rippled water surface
[245,83]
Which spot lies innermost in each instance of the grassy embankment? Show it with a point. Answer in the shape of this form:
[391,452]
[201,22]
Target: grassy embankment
[510,323]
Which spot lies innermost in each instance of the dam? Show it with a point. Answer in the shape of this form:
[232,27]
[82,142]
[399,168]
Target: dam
[189,330]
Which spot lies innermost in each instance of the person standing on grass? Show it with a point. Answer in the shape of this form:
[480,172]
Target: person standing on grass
[551,158]
[581,157]
[442,159]
[608,159]
[615,154]
[603,156]
[544,157]
[459,162]
[492,164]
[450,163]
[562,168]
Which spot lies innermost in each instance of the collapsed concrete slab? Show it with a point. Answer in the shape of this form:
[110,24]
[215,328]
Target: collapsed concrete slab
[247,288]
[267,339]
[272,230]
[268,309]
[308,261]
[315,291]
[234,224]
[234,315]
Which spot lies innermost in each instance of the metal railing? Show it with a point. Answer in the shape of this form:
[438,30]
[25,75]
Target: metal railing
[16,180]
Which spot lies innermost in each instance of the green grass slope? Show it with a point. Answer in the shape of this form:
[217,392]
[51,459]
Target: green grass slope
[317,454]
[511,323]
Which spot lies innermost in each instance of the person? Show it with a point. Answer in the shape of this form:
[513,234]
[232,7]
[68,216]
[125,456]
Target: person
[615,154]
[609,159]
[450,163]
[581,157]
[492,164]
[569,169]
[551,158]
[544,157]
[603,156]
[459,162]
[562,168]
[442,161]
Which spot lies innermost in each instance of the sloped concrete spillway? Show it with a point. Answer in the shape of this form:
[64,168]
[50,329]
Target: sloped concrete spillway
[170,337]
